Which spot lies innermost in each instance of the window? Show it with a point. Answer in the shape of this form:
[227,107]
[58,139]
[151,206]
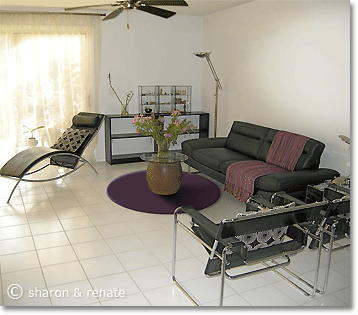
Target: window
[47,75]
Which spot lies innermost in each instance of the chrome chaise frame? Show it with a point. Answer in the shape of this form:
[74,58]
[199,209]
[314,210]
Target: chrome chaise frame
[60,153]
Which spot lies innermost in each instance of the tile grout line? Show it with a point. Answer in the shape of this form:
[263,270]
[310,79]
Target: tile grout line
[32,237]
[127,272]
[64,230]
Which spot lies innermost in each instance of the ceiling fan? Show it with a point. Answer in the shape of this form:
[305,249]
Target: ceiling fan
[142,5]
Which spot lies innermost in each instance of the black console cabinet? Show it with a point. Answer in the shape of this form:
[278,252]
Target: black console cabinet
[110,136]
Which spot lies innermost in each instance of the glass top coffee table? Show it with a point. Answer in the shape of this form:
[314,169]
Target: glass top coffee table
[173,157]
[164,174]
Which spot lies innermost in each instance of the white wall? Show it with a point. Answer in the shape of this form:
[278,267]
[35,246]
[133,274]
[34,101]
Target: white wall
[285,65]
[154,51]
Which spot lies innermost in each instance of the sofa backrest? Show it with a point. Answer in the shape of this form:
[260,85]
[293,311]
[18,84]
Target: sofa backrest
[246,138]
[255,141]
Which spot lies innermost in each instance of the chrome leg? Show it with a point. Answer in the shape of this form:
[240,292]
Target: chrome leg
[84,160]
[17,183]
[290,281]
[174,244]
[223,265]
[187,294]
[315,283]
[333,231]
[313,286]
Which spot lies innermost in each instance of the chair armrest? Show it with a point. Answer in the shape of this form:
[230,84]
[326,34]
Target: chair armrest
[201,220]
[202,143]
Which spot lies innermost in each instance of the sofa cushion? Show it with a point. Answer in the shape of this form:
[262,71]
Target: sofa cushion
[273,182]
[190,145]
[214,157]
[226,164]
[246,138]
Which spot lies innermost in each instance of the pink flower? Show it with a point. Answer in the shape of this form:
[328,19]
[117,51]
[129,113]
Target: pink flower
[161,119]
[135,120]
[185,129]
[177,122]
[167,135]
[176,112]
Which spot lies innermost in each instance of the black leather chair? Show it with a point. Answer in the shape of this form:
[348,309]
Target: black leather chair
[66,152]
[231,243]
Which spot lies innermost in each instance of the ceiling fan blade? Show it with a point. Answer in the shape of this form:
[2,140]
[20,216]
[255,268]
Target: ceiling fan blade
[165,2]
[88,6]
[156,11]
[113,14]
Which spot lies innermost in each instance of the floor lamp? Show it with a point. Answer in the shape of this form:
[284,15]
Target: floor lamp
[205,54]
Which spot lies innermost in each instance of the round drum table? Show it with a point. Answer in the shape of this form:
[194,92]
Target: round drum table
[164,175]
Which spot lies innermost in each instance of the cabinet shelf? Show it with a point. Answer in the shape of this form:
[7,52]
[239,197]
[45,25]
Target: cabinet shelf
[126,135]
[112,136]
[139,135]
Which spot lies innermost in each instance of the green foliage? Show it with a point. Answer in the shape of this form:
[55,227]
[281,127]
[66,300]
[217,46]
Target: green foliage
[154,127]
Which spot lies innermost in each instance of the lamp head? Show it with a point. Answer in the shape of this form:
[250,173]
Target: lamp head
[202,54]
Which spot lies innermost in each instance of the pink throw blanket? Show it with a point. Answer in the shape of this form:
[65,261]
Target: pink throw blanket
[240,177]
[283,155]
[285,150]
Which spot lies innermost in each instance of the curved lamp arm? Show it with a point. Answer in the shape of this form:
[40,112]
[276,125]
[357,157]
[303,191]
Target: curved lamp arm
[205,54]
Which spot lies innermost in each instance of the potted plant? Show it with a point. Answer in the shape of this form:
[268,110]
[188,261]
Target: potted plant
[32,141]
[164,173]
[154,127]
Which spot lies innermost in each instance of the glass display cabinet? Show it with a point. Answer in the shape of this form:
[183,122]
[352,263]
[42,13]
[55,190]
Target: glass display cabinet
[164,99]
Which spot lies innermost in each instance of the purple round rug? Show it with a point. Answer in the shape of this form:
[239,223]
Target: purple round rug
[131,191]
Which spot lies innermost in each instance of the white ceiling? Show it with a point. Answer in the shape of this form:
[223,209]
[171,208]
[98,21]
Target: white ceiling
[196,7]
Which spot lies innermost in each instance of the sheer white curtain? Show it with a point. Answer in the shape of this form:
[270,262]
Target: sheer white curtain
[49,70]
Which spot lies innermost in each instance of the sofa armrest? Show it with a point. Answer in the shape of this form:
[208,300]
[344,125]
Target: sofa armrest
[202,143]
[294,180]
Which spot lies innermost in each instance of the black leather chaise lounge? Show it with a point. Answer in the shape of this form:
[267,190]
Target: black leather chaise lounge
[66,152]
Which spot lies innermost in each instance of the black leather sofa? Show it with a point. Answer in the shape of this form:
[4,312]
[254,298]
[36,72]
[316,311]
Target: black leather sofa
[212,156]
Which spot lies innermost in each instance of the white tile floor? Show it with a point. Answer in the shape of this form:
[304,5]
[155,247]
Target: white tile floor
[67,236]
